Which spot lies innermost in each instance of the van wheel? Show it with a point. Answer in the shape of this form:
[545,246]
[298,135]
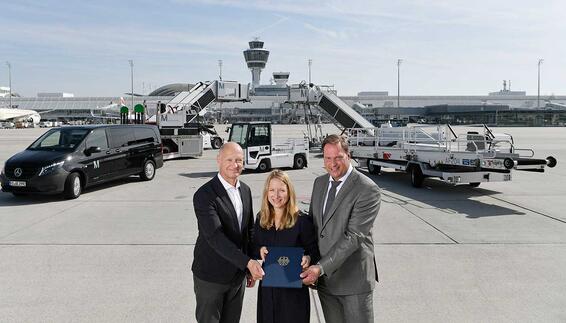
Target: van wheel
[166,149]
[148,172]
[217,143]
[73,186]
[474,184]
[373,169]
[264,166]
[299,162]
[417,177]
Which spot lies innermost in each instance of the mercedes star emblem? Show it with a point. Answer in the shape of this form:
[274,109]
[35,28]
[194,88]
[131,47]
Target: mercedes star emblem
[18,172]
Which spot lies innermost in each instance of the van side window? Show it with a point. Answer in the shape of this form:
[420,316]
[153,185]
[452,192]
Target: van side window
[97,138]
[70,138]
[121,136]
[144,135]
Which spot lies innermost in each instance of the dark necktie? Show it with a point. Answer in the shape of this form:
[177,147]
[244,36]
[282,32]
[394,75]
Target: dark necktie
[331,197]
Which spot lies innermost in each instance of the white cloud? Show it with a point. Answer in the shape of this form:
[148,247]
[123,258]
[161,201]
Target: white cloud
[339,35]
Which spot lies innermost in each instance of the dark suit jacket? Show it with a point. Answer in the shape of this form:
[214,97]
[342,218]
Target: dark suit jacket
[222,249]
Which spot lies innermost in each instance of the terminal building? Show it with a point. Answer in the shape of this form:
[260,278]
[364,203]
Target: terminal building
[503,108]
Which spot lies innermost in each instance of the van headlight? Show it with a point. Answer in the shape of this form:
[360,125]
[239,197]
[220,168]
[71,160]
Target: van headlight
[46,170]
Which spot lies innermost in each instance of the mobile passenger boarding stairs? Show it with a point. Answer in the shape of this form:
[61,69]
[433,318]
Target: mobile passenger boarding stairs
[456,155]
[342,115]
[180,131]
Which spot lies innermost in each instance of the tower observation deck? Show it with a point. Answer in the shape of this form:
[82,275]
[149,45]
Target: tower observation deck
[256,58]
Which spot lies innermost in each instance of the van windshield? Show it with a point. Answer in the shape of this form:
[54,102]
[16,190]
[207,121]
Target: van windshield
[60,139]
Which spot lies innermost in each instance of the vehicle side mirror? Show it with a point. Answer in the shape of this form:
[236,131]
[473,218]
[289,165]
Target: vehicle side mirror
[228,129]
[91,150]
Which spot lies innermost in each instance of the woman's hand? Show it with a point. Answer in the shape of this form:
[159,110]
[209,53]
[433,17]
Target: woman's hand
[305,262]
[263,253]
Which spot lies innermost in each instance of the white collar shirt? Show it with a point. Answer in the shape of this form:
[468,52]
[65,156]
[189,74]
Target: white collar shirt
[342,180]
[235,197]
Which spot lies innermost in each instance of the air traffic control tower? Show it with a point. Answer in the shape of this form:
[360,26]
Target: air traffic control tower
[256,58]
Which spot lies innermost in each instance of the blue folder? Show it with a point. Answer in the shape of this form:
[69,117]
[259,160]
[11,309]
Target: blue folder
[282,267]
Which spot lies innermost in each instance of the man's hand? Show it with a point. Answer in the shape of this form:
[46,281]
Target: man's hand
[305,262]
[263,253]
[311,275]
[250,282]
[255,269]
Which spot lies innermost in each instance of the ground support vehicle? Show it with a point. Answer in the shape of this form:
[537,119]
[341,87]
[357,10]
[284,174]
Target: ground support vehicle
[68,159]
[210,138]
[262,152]
[472,156]
[181,132]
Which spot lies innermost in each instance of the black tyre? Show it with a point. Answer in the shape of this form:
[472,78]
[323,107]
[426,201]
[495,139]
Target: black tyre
[167,149]
[550,161]
[299,162]
[508,163]
[417,177]
[73,186]
[264,166]
[216,143]
[373,169]
[475,184]
[148,172]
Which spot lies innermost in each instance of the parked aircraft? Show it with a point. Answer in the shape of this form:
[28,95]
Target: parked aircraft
[19,115]
[110,111]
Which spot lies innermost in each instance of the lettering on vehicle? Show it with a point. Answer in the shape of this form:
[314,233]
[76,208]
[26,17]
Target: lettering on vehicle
[470,162]
[96,164]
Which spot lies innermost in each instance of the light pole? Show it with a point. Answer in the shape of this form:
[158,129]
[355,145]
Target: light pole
[540,60]
[310,64]
[132,79]
[10,81]
[220,68]
[398,81]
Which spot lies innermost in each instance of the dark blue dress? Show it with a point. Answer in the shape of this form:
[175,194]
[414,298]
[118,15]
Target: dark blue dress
[282,305]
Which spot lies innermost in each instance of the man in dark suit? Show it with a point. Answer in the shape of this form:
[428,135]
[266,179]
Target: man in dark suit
[344,205]
[223,207]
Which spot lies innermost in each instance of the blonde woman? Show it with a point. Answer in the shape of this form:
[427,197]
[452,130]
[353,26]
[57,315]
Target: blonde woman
[281,224]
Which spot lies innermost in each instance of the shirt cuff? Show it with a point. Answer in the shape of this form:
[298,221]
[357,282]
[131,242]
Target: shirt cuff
[321,269]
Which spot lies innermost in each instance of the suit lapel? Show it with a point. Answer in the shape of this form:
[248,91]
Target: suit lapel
[344,190]
[321,192]
[228,206]
[246,207]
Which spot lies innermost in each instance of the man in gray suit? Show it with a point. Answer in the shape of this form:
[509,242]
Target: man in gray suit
[344,205]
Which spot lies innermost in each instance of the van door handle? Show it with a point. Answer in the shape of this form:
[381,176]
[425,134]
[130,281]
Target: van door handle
[118,150]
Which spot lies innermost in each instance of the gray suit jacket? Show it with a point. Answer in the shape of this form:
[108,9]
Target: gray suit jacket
[345,236]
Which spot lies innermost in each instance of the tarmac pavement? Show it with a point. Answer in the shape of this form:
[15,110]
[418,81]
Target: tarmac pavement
[122,251]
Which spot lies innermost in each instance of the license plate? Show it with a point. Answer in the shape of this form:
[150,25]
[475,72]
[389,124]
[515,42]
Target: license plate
[18,183]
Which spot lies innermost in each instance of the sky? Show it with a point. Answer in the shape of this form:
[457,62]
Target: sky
[447,47]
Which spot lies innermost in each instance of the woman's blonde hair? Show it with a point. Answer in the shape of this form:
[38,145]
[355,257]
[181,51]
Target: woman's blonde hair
[267,213]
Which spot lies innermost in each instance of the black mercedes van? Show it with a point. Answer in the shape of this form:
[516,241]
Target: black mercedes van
[70,158]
